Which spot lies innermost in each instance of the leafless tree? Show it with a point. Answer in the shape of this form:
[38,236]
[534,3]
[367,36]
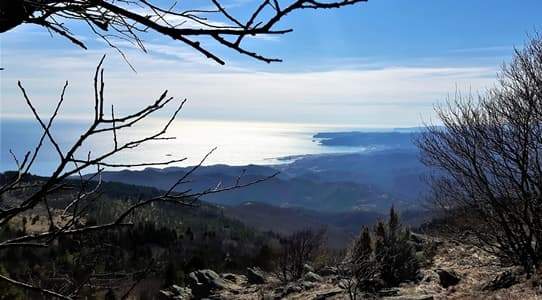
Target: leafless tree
[68,178]
[298,249]
[128,20]
[115,21]
[487,160]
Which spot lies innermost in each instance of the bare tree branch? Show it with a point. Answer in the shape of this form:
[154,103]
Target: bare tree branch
[119,19]
[67,180]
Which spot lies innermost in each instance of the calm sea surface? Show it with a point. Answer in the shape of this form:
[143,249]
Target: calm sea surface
[238,143]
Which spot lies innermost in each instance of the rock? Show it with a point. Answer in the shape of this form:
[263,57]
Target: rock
[448,278]
[328,271]
[183,293]
[504,280]
[229,276]
[328,294]
[177,293]
[307,268]
[166,294]
[312,277]
[203,282]
[419,238]
[308,285]
[428,276]
[389,292]
[424,239]
[255,276]
[292,288]
[235,278]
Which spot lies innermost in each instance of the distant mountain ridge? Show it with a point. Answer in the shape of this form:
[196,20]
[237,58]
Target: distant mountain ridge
[341,227]
[365,181]
[378,140]
[282,191]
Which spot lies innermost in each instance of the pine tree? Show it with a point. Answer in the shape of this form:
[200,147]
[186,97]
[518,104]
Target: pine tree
[384,258]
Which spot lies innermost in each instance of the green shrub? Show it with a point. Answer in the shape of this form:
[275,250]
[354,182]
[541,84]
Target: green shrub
[383,258]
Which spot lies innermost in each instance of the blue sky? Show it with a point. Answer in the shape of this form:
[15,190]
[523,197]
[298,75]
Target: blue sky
[381,63]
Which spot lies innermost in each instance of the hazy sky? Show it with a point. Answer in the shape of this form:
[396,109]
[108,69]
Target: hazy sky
[381,63]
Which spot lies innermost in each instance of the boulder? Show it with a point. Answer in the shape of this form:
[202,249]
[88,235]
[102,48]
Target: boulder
[255,276]
[166,294]
[448,278]
[183,293]
[235,278]
[292,288]
[307,285]
[307,268]
[176,292]
[312,277]
[504,280]
[428,276]
[203,282]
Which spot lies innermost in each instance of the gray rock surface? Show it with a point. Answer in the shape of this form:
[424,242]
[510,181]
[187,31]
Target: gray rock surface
[203,282]
[307,268]
[312,277]
[235,278]
[176,292]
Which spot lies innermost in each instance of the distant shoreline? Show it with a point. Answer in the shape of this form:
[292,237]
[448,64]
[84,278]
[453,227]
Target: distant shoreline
[395,138]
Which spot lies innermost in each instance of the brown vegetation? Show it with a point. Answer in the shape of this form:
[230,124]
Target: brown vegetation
[297,250]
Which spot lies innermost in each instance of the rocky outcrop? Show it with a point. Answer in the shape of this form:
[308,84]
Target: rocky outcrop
[312,277]
[204,282]
[307,268]
[457,272]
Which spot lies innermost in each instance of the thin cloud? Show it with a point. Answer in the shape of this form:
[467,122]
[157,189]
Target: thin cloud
[237,92]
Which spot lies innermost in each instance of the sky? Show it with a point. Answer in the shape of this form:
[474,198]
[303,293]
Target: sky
[381,63]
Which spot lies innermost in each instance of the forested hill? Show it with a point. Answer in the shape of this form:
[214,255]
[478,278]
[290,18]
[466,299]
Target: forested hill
[394,138]
[283,191]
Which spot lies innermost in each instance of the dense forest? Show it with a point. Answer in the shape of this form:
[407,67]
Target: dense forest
[165,244]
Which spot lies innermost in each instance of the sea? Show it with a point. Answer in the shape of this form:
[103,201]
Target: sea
[236,143]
